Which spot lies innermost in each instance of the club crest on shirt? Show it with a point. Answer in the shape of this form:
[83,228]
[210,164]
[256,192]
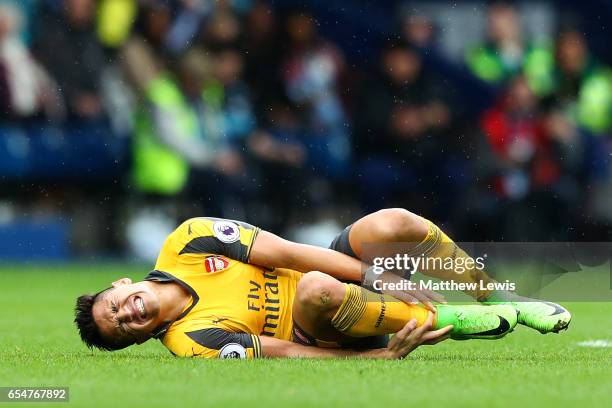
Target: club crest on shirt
[226,231]
[215,263]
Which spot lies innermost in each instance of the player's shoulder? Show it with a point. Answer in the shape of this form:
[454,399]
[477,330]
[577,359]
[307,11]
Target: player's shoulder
[191,228]
[209,235]
[226,230]
[177,337]
[209,338]
[190,223]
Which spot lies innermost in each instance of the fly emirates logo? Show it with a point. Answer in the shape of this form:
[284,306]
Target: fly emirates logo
[270,304]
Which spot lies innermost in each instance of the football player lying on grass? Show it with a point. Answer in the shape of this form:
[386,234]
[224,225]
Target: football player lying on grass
[223,288]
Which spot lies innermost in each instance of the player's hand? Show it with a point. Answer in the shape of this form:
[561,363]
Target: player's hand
[426,297]
[411,336]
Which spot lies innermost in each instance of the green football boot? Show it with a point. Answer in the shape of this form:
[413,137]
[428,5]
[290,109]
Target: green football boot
[545,317]
[476,321]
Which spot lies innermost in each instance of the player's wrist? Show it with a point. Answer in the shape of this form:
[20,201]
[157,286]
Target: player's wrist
[383,353]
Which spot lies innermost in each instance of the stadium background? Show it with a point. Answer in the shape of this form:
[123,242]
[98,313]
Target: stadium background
[121,117]
[118,118]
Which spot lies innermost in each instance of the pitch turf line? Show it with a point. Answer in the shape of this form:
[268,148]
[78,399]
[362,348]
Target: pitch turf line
[595,343]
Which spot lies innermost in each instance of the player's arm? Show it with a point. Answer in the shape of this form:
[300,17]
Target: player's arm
[400,345]
[214,342]
[277,348]
[219,343]
[246,243]
[272,251]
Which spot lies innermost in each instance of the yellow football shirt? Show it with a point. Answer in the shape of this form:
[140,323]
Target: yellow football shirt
[233,302]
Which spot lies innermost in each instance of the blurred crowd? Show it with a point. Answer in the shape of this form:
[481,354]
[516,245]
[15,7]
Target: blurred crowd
[238,109]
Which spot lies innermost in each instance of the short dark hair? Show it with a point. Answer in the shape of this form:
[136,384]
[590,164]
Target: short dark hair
[88,329]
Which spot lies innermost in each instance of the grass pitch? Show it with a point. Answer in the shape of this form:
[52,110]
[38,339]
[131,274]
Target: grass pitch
[39,346]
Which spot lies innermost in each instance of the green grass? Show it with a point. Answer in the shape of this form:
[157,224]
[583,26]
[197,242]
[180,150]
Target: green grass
[39,347]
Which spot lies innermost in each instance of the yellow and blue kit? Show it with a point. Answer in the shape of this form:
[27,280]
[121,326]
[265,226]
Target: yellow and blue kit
[232,302]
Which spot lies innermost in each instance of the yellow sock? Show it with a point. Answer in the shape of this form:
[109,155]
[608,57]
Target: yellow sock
[364,313]
[437,245]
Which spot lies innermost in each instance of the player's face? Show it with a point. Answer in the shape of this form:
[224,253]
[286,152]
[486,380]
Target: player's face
[128,312]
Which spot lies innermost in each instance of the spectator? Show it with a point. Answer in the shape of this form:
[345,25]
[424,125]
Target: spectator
[423,34]
[537,161]
[235,104]
[27,9]
[506,53]
[26,91]
[142,55]
[188,140]
[418,30]
[261,48]
[514,132]
[221,30]
[312,74]
[115,20]
[166,139]
[68,48]
[582,88]
[186,24]
[154,24]
[401,127]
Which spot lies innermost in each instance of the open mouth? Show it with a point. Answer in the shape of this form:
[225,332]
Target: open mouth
[139,308]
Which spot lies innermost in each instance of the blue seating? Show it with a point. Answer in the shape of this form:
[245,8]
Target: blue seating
[61,153]
[34,239]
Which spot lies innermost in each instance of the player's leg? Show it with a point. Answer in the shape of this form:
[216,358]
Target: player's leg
[331,311]
[419,237]
[422,237]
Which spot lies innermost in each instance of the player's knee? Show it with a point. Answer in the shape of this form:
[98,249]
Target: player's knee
[400,225]
[319,291]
